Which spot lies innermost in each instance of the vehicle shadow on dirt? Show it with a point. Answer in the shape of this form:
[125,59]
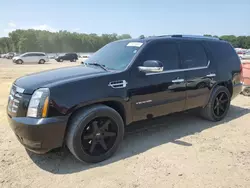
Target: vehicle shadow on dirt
[139,138]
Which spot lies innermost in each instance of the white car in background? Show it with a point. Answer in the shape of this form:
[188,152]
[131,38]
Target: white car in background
[246,55]
[31,57]
[3,55]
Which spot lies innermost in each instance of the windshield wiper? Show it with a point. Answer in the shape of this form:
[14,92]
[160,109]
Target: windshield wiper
[99,65]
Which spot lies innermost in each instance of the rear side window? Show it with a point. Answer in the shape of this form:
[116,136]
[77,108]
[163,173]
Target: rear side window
[27,55]
[224,54]
[193,55]
[165,52]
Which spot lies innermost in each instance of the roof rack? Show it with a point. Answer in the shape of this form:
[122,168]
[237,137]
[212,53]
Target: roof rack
[195,36]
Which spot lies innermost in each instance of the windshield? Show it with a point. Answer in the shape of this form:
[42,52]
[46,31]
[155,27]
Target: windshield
[115,55]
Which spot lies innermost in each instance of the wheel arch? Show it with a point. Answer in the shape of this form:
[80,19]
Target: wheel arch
[228,84]
[117,105]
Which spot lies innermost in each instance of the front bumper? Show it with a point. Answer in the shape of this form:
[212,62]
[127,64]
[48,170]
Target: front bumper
[39,135]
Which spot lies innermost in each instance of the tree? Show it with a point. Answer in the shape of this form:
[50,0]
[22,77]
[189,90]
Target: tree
[64,41]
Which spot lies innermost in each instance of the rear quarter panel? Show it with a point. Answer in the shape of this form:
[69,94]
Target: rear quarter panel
[228,65]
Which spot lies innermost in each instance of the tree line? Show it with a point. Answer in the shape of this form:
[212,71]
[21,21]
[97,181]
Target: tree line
[63,41]
[52,42]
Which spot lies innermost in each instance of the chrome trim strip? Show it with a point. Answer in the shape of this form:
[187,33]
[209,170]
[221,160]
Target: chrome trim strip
[117,85]
[178,80]
[180,70]
[150,69]
[211,75]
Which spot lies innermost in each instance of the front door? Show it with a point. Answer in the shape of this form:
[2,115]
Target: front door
[157,94]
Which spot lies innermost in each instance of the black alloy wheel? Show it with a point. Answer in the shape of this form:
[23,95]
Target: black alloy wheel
[94,133]
[220,104]
[99,136]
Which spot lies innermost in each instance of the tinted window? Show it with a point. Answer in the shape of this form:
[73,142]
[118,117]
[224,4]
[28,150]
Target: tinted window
[165,52]
[115,55]
[27,55]
[224,54]
[193,55]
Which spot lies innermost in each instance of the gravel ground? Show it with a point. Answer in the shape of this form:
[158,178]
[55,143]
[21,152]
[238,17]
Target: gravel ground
[180,150]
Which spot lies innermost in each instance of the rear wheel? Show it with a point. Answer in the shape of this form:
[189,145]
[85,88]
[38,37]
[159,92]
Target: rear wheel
[95,133]
[218,105]
[246,91]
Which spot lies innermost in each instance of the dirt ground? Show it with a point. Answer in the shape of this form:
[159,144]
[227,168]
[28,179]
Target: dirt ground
[180,151]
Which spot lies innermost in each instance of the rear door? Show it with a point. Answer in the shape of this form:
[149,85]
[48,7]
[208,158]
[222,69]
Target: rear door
[199,72]
[37,57]
[27,58]
[66,57]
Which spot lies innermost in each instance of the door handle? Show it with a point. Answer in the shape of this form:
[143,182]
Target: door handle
[211,75]
[178,80]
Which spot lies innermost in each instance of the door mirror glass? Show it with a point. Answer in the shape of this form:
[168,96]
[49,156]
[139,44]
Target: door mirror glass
[151,66]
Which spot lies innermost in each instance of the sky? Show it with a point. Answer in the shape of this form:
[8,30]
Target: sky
[134,17]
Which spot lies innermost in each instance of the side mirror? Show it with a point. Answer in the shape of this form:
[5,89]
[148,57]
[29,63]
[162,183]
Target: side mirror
[151,66]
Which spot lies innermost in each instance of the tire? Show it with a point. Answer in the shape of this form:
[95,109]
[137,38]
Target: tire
[80,143]
[246,91]
[60,60]
[74,60]
[210,111]
[19,61]
[42,61]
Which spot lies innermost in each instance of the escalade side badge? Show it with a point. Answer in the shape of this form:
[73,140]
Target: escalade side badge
[118,84]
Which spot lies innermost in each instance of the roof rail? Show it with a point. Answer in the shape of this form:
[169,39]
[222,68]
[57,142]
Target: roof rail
[196,36]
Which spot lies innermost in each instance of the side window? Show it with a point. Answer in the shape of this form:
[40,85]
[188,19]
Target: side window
[28,55]
[193,55]
[166,52]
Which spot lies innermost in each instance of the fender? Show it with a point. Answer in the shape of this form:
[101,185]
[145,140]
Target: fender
[227,84]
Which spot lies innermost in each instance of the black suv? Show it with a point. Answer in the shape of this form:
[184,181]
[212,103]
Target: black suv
[72,57]
[87,107]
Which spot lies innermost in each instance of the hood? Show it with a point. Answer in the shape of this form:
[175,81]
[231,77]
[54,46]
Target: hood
[16,57]
[42,79]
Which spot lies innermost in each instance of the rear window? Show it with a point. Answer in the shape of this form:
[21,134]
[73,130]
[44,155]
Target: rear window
[193,55]
[224,53]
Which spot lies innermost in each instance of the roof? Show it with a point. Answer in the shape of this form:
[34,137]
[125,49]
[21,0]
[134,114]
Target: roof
[174,37]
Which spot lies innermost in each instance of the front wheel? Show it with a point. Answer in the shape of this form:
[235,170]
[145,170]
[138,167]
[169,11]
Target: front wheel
[42,61]
[19,61]
[95,133]
[218,105]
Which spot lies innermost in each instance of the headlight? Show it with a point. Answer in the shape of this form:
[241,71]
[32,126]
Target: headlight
[39,103]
